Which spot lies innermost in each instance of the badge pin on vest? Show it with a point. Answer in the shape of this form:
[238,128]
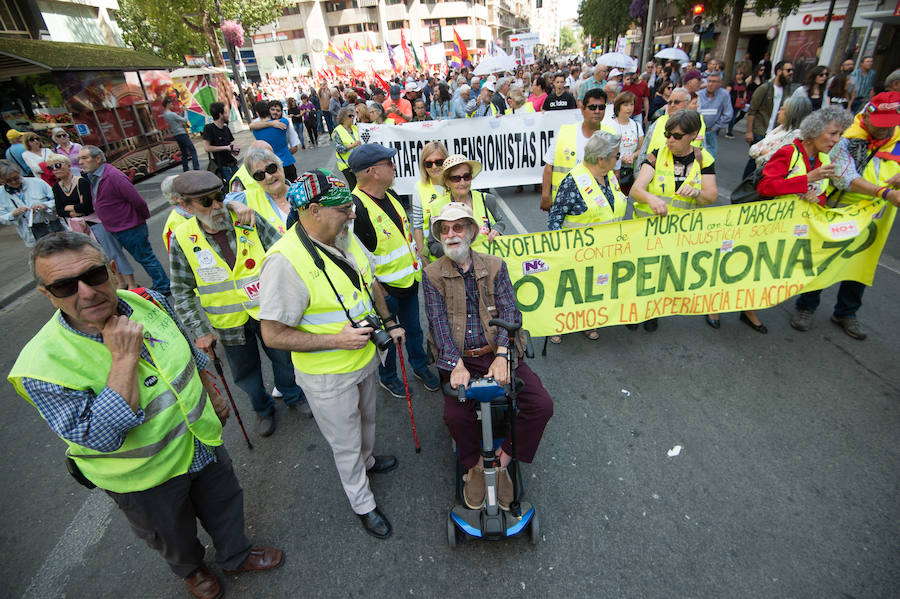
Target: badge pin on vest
[206,258]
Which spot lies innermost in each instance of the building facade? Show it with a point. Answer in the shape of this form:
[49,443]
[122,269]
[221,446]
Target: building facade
[85,21]
[298,41]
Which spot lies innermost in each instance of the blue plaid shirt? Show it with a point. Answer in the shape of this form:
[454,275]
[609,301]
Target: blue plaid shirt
[100,422]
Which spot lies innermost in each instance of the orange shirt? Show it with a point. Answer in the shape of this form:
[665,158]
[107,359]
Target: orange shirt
[402,104]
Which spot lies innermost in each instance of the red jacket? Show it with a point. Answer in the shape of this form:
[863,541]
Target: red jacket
[774,180]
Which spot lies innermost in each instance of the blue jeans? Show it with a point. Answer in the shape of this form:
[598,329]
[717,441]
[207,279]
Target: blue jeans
[298,127]
[849,299]
[711,142]
[751,163]
[329,121]
[407,312]
[246,369]
[738,115]
[188,152]
[320,121]
[138,245]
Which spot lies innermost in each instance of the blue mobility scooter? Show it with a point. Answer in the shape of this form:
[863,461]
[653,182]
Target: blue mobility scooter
[495,404]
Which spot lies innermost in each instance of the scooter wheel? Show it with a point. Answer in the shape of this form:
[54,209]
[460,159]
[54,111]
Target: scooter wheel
[534,529]
[451,532]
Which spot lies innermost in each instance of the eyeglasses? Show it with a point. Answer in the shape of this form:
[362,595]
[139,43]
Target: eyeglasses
[595,107]
[61,134]
[345,208]
[207,200]
[670,87]
[458,178]
[271,169]
[68,287]
[455,227]
[56,165]
[788,70]
[676,102]
[677,136]
[431,163]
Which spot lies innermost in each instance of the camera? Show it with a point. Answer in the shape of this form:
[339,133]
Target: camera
[379,336]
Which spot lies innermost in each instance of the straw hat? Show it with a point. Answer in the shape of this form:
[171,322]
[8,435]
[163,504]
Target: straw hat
[455,160]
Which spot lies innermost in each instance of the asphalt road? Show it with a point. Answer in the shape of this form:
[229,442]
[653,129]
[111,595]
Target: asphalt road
[786,486]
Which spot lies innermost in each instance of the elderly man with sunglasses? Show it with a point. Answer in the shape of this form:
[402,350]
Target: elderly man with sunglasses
[115,376]
[654,139]
[216,262]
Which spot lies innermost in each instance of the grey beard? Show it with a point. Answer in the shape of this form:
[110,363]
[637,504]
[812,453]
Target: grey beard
[457,253]
[217,221]
[342,241]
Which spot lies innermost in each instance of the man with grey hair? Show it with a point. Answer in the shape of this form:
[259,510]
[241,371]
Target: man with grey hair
[679,99]
[597,81]
[122,211]
[715,108]
[892,82]
[115,377]
[178,213]
[500,100]
[458,105]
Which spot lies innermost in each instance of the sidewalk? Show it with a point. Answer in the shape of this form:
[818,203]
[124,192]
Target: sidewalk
[15,277]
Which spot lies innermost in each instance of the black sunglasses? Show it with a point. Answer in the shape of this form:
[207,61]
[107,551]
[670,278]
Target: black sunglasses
[207,200]
[595,107]
[431,163]
[271,168]
[56,165]
[677,136]
[458,178]
[66,287]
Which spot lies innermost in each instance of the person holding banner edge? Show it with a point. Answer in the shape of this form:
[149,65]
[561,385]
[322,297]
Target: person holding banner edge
[457,180]
[590,195]
[429,190]
[676,177]
[567,148]
[383,228]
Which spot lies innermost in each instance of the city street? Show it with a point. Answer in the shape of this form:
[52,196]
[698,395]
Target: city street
[786,484]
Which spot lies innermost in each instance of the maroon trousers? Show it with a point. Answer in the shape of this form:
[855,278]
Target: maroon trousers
[535,409]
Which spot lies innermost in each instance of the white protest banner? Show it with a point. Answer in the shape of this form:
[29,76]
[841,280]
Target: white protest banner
[510,148]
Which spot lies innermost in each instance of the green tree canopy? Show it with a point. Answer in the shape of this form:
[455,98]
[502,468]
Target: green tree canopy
[173,28]
[603,19]
[567,41]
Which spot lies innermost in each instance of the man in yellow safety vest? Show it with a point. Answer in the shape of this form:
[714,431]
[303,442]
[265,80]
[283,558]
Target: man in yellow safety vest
[321,302]
[115,376]
[215,265]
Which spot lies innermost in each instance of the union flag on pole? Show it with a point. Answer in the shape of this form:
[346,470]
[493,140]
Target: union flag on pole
[407,55]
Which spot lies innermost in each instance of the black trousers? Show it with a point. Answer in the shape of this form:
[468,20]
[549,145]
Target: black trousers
[166,516]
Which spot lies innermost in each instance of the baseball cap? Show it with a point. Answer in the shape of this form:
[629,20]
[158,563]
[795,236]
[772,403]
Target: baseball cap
[367,155]
[691,75]
[614,73]
[12,135]
[884,109]
[395,91]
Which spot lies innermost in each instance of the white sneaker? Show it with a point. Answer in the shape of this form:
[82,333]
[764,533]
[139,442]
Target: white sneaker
[276,393]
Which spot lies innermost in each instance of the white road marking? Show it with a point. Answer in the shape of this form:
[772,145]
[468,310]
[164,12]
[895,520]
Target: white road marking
[513,220]
[85,529]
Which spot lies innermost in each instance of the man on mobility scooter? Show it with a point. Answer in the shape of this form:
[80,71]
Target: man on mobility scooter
[464,290]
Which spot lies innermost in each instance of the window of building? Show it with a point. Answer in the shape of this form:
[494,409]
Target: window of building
[397,24]
[339,29]
[457,21]
[392,2]
[11,20]
[292,9]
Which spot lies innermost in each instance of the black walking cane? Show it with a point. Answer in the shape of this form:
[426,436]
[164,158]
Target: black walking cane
[218,364]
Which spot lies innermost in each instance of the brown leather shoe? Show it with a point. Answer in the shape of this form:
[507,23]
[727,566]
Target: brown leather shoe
[203,584]
[260,558]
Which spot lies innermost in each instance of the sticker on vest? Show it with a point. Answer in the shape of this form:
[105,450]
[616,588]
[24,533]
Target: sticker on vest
[485,226]
[206,258]
[252,289]
[150,381]
[213,274]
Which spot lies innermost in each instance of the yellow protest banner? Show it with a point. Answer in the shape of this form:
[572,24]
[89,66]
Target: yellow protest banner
[721,259]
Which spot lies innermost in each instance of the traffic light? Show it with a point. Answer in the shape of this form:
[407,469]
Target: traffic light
[698,17]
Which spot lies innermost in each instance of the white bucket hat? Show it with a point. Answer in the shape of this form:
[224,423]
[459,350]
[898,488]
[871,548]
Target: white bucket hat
[454,211]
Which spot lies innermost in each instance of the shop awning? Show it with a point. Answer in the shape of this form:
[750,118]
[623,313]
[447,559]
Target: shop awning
[882,16]
[29,57]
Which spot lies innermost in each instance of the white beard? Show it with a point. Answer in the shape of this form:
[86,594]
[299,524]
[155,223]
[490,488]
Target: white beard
[342,241]
[217,221]
[458,252]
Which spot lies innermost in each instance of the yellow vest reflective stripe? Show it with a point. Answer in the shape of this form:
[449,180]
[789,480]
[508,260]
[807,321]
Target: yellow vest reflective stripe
[260,202]
[175,219]
[662,184]
[798,167]
[324,315]
[482,215]
[658,139]
[526,107]
[227,296]
[396,263]
[877,172]
[347,138]
[566,156]
[176,406]
[428,195]
[598,210]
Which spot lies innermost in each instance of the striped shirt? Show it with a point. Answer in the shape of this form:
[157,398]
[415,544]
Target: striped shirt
[100,422]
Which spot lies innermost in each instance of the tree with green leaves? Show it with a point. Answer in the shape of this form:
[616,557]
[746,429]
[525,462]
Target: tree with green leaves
[604,19]
[567,41]
[173,28]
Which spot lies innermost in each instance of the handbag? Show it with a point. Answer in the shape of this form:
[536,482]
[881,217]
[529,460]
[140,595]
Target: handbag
[745,192]
[43,229]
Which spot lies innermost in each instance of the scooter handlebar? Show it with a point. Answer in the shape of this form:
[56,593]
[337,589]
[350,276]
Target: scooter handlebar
[459,392]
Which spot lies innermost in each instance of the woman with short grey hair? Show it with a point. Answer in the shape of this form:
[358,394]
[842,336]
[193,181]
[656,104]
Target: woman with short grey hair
[346,139]
[788,118]
[269,198]
[590,195]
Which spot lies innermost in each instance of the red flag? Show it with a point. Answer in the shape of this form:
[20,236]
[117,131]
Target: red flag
[407,55]
[381,82]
